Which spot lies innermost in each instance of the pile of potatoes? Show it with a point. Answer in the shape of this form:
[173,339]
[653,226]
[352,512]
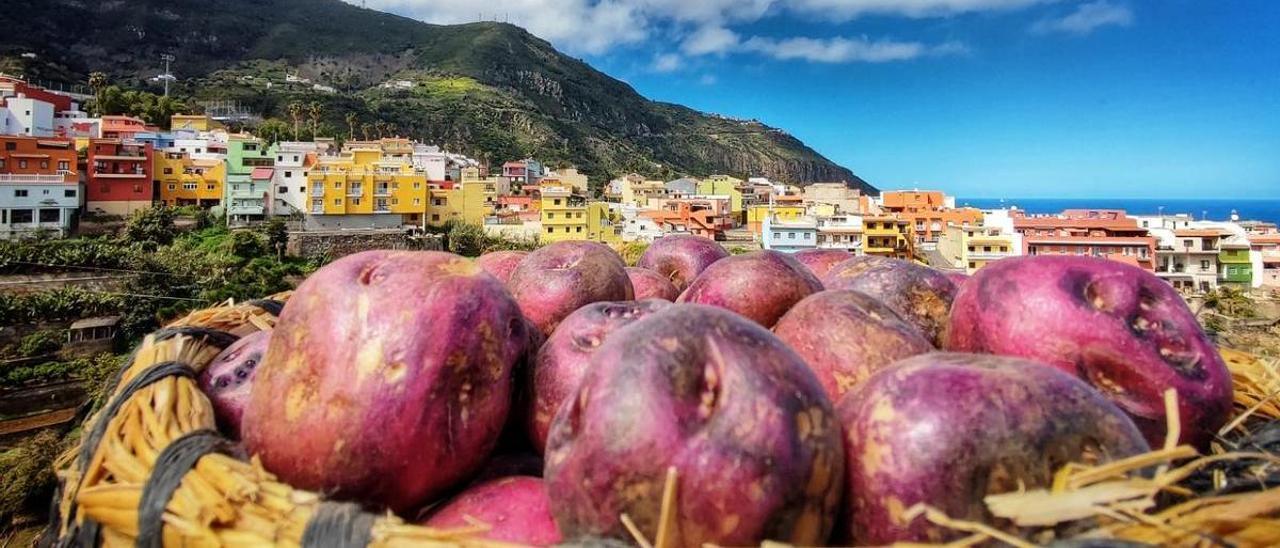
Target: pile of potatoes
[808,399]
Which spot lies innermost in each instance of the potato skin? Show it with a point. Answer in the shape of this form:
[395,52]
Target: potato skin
[515,507]
[1122,329]
[388,378]
[563,360]
[500,264]
[229,379]
[761,285]
[820,261]
[649,284]
[947,429]
[555,280]
[921,295]
[681,257]
[845,336]
[745,423]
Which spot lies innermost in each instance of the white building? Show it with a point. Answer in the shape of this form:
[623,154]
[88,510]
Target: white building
[841,232]
[789,236]
[26,116]
[289,180]
[33,203]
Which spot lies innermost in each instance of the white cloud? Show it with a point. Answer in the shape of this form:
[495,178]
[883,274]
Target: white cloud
[667,62]
[710,39]
[847,50]
[703,26]
[1086,18]
[707,79]
[850,9]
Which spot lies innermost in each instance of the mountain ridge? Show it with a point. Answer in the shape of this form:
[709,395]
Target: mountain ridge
[523,97]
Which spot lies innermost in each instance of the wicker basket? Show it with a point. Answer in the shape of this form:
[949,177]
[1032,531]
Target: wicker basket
[151,469]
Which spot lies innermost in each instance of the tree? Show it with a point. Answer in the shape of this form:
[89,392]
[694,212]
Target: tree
[272,131]
[151,227]
[381,126]
[315,109]
[295,112]
[365,129]
[351,126]
[277,235]
[98,83]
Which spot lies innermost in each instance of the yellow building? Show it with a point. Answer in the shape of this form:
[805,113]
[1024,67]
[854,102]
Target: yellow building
[724,185]
[469,201]
[569,216]
[192,122]
[186,181]
[972,247]
[365,188]
[887,237]
[756,214]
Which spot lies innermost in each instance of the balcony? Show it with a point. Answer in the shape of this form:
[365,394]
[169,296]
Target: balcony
[317,210]
[382,191]
[355,192]
[31,179]
[108,175]
[121,157]
[317,190]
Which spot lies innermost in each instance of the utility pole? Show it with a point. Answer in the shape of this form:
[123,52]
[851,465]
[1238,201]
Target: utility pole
[167,76]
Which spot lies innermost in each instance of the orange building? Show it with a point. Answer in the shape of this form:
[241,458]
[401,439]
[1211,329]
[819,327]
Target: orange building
[927,213]
[39,186]
[1107,234]
[705,217]
[118,176]
[122,127]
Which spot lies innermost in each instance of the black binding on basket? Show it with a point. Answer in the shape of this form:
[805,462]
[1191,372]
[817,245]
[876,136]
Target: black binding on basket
[338,525]
[270,305]
[178,458]
[218,338]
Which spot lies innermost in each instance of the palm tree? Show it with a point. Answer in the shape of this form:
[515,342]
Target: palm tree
[98,83]
[351,126]
[295,112]
[365,129]
[315,109]
[393,129]
[380,126]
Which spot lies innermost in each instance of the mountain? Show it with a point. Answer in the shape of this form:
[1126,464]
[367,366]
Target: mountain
[488,89]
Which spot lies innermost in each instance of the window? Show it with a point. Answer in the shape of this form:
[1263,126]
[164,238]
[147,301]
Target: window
[777,235]
[1,163]
[10,145]
[22,164]
[69,193]
[973,264]
[577,229]
[50,215]
[417,201]
[337,201]
[44,164]
[210,186]
[556,201]
[355,201]
[45,192]
[791,235]
[807,235]
[21,216]
[282,190]
[551,215]
[63,165]
[295,157]
[436,217]
[337,184]
[1204,265]
[20,193]
[302,189]
[288,174]
[189,186]
[550,229]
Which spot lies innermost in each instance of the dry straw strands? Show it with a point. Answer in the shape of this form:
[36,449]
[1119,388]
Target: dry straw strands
[222,501]
[1127,499]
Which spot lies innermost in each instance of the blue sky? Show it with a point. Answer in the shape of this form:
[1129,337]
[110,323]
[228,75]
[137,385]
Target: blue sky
[982,98]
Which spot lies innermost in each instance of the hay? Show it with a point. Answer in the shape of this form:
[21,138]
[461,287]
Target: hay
[1169,496]
[222,500]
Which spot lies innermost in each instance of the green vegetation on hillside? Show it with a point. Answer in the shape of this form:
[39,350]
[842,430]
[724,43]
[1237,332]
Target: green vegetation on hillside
[490,90]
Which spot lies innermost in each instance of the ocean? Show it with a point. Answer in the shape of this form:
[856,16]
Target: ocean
[1208,208]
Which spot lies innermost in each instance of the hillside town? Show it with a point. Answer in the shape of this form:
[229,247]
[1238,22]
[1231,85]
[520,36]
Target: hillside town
[60,165]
